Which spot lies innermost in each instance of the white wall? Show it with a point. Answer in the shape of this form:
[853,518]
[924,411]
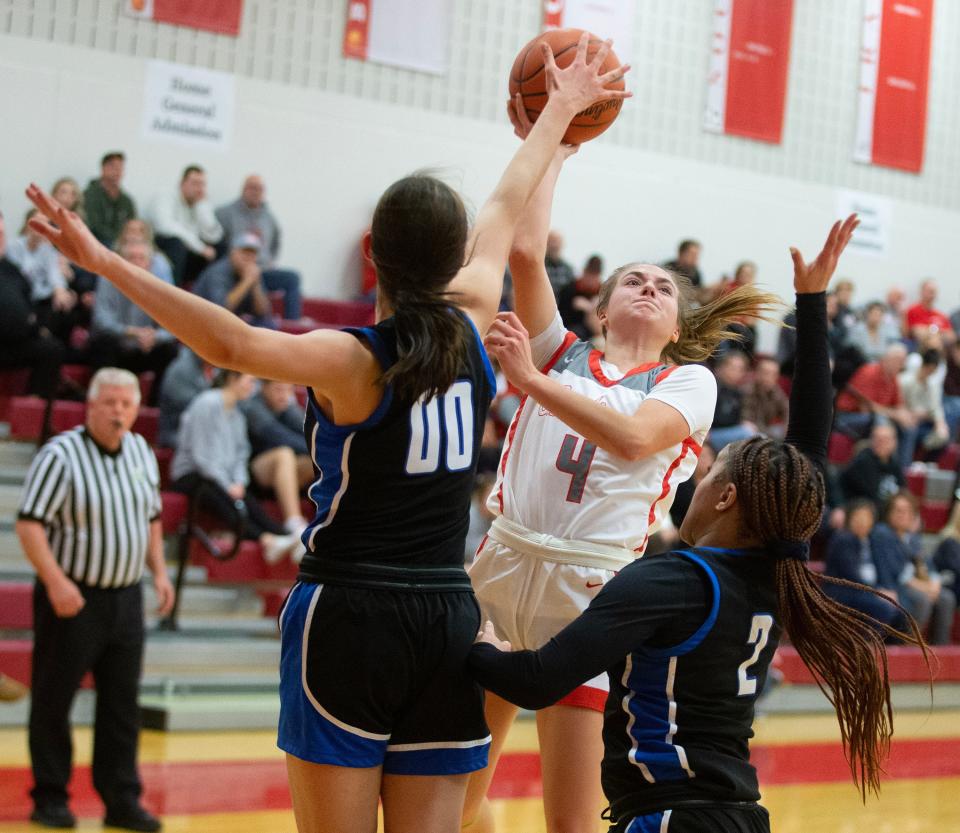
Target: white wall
[328,153]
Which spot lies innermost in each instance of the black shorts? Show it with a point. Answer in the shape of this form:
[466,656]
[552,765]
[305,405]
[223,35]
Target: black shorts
[376,677]
[705,818]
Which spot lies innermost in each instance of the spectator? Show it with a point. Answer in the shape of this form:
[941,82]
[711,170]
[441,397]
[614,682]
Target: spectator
[922,390]
[745,273]
[53,301]
[874,334]
[280,459]
[851,557]
[728,423]
[764,403]
[23,341]
[873,391]
[951,388]
[874,473]
[185,226]
[946,557]
[89,522]
[139,231]
[250,214]
[125,336]
[919,589]
[687,262]
[186,378]
[577,300]
[843,291]
[66,191]
[235,282]
[558,270]
[922,317]
[106,204]
[213,452]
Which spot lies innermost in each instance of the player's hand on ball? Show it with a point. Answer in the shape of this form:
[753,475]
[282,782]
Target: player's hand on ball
[508,342]
[815,276]
[489,636]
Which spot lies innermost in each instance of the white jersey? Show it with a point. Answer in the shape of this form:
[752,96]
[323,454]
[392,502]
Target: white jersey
[551,480]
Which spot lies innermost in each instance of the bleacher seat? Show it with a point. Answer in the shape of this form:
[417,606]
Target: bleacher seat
[13,383]
[339,313]
[905,663]
[173,511]
[840,449]
[950,458]
[16,605]
[15,660]
[935,514]
[26,418]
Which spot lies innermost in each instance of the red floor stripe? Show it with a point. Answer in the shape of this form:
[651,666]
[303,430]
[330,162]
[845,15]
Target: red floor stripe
[247,786]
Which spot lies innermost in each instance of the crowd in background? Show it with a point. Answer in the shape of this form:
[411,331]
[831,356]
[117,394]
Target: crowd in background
[896,375]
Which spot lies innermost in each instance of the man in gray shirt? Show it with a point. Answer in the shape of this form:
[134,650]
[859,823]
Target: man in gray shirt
[235,282]
[250,215]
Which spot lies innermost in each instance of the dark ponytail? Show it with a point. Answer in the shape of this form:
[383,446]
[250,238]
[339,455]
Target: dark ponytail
[783,498]
[418,244]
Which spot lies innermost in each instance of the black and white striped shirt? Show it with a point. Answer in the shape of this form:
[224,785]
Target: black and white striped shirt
[96,505]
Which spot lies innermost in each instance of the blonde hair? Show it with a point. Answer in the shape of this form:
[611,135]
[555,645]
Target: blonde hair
[78,207]
[703,328]
[112,376]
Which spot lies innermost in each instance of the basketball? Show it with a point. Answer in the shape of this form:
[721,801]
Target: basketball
[528,78]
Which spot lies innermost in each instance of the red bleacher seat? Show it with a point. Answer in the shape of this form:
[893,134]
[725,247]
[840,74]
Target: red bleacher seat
[67,415]
[950,458]
[26,418]
[935,514]
[15,660]
[164,459]
[905,663]
[916,482]
[79,374]
[148,423]
[16,605]
[146,379]
[840,448]
[173,512]
[13,383]
[339,313]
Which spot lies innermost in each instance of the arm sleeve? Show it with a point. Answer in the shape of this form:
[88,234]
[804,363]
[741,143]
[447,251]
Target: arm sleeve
[811,397]
[210,229]
[657,598]
[545,344]
[46,486]
[691,390]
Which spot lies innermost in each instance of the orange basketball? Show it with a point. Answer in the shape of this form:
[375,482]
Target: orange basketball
[529,79]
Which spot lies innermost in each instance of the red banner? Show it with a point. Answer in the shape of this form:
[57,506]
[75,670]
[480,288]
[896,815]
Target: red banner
[749,59]
[221,16]
[894,75]
[356,35]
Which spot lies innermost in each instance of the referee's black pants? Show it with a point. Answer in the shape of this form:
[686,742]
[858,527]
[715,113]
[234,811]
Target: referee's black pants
[106,638]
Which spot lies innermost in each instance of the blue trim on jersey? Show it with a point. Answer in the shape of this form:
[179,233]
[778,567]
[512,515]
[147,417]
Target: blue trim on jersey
[491,376]
[330,429]
[442,761]
[738,551]
[652,823]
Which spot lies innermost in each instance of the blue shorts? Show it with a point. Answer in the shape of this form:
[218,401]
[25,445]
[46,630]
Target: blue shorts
[376,677]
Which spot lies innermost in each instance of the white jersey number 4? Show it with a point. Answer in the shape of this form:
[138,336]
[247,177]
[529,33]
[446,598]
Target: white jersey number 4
[759,635]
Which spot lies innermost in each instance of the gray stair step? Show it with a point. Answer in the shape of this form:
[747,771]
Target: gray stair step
[791,699]
[15,454]
[175,653]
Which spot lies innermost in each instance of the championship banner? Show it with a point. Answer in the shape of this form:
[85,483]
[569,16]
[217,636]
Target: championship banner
[605,18]
[221,16]
[413,34]
[894,71]
[749,59]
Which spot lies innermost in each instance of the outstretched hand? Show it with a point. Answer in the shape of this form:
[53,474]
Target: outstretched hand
[581,82]
[522,125]
[488,636]
[67,232]
[815,276]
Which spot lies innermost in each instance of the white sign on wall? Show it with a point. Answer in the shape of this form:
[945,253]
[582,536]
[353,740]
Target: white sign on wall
[185,105]
[872,237]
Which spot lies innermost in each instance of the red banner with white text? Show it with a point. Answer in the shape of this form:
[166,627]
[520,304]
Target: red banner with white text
[894,75]
[749,60]
[221,16]
[413,34]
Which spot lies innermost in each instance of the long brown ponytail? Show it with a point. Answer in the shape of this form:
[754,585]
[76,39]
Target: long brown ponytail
[418,242]
[782,495]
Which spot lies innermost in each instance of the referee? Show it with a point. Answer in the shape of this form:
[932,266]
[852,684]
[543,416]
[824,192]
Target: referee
[88,521]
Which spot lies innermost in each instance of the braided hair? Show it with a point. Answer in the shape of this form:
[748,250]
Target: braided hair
[782,496]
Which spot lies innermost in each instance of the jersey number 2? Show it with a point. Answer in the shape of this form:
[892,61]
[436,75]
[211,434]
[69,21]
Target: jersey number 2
[578,467]
[455,410]
[759,635]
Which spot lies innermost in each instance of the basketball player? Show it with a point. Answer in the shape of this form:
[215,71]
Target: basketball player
[375,702]
[588,470]
[687,637]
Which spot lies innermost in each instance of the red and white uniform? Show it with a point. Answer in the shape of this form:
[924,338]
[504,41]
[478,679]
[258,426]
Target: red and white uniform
[569,514]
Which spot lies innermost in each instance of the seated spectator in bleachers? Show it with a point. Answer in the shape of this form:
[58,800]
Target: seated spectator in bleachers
[53,301]
[213,452]
[236,282]
[687,262]
[279,457]
[872,392]
[123,335]
[874,334]
[843,291]
[946,557]
[577,300]
[106,204]
[951,388]
[185,227]
[919,589]
[875,473]
[850,556]
[744,274]
[922,390]
[764,402]
[24,343]
[186,378]
[923,317]
[139,231]
[66,191]
[249,214]
[559,271]
[729,425]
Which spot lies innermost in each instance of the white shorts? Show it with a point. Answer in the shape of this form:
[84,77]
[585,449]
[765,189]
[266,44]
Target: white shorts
[531,599]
